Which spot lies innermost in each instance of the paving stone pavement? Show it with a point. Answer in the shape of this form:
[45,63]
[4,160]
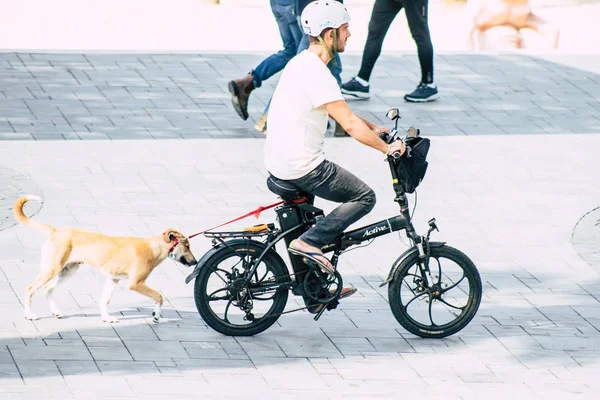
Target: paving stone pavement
[163,96]
[512,172]
[509,202]
[12,185]
[586,237]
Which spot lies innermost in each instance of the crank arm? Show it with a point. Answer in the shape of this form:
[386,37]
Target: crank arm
[318,315]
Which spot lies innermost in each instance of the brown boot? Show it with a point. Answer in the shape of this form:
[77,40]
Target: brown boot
[240,90]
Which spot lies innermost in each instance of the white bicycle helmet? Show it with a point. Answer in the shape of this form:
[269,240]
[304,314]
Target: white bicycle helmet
[323,14]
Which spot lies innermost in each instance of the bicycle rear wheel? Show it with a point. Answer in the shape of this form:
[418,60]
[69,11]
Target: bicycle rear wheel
[227,304]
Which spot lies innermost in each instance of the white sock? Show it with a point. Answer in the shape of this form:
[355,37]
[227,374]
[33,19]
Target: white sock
[361,81]
[432,85]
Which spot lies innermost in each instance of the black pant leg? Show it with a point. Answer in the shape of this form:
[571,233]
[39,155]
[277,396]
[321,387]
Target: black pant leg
[384,12]
[416,15]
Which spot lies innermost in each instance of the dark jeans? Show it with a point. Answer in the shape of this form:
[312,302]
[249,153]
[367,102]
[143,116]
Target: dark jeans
[332,182]
[290,32]
[384,12]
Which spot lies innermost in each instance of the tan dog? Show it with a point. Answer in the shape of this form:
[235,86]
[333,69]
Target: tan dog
[118,257]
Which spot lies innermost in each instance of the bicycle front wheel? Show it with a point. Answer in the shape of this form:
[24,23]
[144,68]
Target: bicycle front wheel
[442,307]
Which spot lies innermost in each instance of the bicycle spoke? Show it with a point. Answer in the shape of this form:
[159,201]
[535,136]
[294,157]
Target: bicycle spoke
[413,299]
[450,305]
[455,285]
[430,317]
[439,271]
[226,310]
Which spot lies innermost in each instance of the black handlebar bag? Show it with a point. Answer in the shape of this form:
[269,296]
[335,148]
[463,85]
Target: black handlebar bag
[411,167]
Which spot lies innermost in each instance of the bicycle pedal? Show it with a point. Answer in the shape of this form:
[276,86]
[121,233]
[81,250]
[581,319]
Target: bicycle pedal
[329,306]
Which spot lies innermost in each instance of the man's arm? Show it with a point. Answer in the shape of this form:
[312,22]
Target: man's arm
[371,125]
[360,129]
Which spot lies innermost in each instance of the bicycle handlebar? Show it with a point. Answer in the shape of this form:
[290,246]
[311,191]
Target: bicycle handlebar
[386,137]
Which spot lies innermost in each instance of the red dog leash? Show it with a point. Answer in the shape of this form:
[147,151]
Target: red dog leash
[255,213]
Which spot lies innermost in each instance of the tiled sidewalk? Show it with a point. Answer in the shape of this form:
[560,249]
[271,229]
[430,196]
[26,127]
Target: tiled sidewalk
[120,96]
[508,204]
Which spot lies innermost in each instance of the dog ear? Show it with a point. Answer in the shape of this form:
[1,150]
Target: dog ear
[170,234]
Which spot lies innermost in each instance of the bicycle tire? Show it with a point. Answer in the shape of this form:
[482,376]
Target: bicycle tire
[272,263]
[400,310]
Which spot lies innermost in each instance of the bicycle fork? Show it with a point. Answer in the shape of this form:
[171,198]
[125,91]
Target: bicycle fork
[422,244]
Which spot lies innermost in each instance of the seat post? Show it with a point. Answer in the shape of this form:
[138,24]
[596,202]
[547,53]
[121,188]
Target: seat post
[289,215]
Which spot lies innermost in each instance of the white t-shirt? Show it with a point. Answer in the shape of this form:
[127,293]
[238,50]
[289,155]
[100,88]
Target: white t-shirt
[297,120]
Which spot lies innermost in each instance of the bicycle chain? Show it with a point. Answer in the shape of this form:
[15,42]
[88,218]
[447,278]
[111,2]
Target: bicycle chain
[297,309]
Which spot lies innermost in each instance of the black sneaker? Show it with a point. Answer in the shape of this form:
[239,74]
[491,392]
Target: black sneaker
[423,93]
[355,89]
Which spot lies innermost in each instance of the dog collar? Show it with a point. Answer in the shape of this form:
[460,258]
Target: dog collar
[175,243]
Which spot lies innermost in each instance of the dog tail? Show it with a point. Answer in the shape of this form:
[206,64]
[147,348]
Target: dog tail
[22,218]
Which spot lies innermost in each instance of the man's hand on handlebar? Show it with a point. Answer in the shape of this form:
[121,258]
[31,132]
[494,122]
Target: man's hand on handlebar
[378,130]
[397,147]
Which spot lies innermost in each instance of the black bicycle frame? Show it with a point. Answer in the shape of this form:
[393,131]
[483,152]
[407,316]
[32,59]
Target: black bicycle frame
[306,214]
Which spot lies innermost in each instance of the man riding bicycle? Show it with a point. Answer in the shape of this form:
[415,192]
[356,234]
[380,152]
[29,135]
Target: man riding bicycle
[297,124]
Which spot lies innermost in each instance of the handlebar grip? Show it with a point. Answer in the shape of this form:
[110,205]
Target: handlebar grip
[384,136]
[396,155]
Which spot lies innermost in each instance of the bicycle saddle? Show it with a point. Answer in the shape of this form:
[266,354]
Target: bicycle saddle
[285,189]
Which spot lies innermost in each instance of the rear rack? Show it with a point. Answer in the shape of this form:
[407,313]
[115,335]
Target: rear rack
[254,231]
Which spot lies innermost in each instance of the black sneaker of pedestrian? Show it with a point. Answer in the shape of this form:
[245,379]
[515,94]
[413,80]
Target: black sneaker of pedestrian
[355,89]
[423,93]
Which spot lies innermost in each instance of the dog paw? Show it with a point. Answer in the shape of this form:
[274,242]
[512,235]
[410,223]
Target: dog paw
[155,317]
[58,315]
[110,320]
[31,316]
